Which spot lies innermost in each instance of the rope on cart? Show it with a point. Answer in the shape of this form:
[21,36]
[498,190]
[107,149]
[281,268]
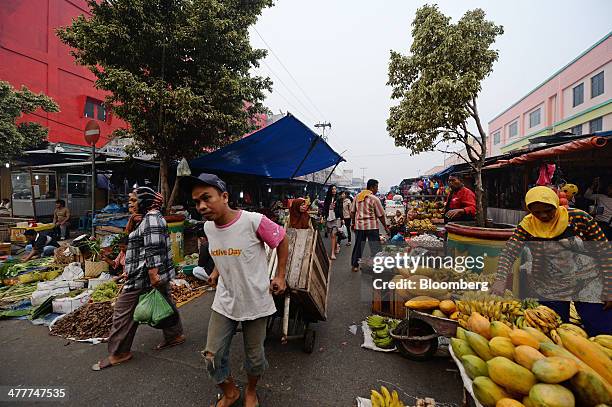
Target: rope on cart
[395,386]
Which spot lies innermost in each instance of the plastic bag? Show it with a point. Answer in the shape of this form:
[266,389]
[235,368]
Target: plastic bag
[343,232]
[183,170]
[73,271]
[152,308]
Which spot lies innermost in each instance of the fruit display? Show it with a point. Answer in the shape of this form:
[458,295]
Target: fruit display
[381,327]
[491,307]
[524,367]
[420,226]
[541,318]
[427,209]
[441,309]
[383,398]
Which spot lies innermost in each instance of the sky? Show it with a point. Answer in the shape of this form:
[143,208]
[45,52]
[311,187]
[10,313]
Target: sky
[329,59]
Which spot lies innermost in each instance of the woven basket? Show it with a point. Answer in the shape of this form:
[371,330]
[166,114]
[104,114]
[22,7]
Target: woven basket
[95,268]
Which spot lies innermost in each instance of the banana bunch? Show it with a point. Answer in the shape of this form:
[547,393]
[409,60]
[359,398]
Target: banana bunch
[385,399]
[541,318]
[603,340]
[494,308]
[574,317]
[381,327]
[529,303]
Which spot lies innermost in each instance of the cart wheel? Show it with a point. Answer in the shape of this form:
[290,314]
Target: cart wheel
[309,340]
[416,349]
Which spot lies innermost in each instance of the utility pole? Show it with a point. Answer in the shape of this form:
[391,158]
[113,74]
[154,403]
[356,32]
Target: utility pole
[323,125]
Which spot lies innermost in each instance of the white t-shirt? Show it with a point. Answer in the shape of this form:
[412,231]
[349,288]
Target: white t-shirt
[243,291]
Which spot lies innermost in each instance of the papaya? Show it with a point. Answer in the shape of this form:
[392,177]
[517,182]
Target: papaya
[512,376]
[501,346]
[527,402]
[448,307]
[520,337]
[509,403]
[551,395]
[439,314]
[589,389]
[479,324]
[422,303]
[537,334]
[588,352]
[479,345]
[461,348]
[554,369]
[573,328]
[474,366]
[460,333]
[526,356]
[498,328]
[487,392]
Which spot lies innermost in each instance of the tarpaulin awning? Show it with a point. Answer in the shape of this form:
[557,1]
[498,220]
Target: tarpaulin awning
[551,152]
[285,149]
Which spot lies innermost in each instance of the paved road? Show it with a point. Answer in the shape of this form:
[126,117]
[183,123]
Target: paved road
[333,375]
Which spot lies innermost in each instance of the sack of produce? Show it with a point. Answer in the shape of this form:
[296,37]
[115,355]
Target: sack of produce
[152,308]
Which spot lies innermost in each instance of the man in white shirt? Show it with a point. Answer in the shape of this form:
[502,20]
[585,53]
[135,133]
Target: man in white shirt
[244,291]
[603,206]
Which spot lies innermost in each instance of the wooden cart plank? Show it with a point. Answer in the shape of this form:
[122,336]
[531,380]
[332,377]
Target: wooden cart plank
[291,237]
[298,257]
[307,261]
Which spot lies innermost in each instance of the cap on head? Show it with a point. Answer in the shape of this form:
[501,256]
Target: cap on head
[205,179]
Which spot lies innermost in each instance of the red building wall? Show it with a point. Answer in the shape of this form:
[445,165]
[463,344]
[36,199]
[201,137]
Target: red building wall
[32,55]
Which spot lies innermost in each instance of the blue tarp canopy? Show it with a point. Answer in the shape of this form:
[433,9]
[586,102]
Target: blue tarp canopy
[284,149]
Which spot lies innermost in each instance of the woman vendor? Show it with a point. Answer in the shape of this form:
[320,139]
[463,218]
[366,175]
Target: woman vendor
[564,267]
[298,214]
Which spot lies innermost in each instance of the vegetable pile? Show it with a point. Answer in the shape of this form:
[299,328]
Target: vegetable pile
[105,292]
[16,293]
[13,268]
[92,320]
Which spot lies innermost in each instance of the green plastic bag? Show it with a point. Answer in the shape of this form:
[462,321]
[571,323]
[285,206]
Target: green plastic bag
[152,308]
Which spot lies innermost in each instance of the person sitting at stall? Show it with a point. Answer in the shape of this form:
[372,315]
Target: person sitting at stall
[603,206]
[298,214]
[461,202]
[5,207]
[39,244]
[61,219]
[562,270]
[118,263]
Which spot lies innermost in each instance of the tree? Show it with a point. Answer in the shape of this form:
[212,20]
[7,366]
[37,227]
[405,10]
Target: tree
[178,71]
[438,84]
[17,138]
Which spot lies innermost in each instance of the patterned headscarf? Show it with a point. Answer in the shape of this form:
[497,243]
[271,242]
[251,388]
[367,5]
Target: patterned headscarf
[148,200]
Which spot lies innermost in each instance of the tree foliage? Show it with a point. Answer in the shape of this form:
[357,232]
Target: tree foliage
[17,138]
[437,84]
[178,71]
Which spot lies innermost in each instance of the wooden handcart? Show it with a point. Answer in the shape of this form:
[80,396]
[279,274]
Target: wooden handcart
[417,336]
[305,302]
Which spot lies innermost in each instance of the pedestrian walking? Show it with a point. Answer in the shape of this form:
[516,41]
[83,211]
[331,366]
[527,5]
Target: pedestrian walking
[148,265]
[366,211]
[346,214]
[244,291]
[332,211]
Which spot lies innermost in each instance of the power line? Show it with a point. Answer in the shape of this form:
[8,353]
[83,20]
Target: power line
[293,107]
[289,73]
[289,90]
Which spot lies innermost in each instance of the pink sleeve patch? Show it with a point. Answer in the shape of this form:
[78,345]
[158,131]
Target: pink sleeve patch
[271,233]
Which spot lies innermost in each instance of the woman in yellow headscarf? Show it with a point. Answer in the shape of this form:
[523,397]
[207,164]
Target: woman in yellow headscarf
[561,270]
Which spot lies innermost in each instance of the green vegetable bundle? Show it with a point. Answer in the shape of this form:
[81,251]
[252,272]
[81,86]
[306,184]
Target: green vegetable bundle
[105,292]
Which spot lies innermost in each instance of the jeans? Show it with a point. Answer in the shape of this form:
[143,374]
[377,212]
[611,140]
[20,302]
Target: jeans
[47,251]
[220,333]
[373,238]
[596,321]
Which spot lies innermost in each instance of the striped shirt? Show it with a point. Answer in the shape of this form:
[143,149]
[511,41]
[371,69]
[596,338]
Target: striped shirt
[149,247]
[367,212]
[580,224]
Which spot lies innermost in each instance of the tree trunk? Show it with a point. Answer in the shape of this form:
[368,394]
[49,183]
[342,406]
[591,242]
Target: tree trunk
[481,214]
[174,193]
[163,177]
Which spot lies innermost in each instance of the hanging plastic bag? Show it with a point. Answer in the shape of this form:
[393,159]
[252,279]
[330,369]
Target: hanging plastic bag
[183,169]
[152,308]
[343,232]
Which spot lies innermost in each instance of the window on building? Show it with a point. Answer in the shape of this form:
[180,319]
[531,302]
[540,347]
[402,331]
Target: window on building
[534,118]
[496,137]
[513,129]
[596,125]
[89,108]
[577,130]
[101,112]
[597,84]
[578,95]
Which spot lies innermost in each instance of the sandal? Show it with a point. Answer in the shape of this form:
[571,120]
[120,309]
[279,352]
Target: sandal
[234,404]
[179,340]
[106,363]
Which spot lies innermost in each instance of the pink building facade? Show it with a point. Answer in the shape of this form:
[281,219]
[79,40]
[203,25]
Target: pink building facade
[577,98]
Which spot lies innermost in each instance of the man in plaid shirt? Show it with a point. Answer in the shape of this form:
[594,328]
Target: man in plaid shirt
[366,211]
[148,264]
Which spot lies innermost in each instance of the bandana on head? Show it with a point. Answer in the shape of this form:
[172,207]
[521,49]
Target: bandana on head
[148,199]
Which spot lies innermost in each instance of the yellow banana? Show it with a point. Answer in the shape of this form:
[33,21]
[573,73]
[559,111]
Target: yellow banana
[386,395]
[377,399]
[394,399]
[604,340]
